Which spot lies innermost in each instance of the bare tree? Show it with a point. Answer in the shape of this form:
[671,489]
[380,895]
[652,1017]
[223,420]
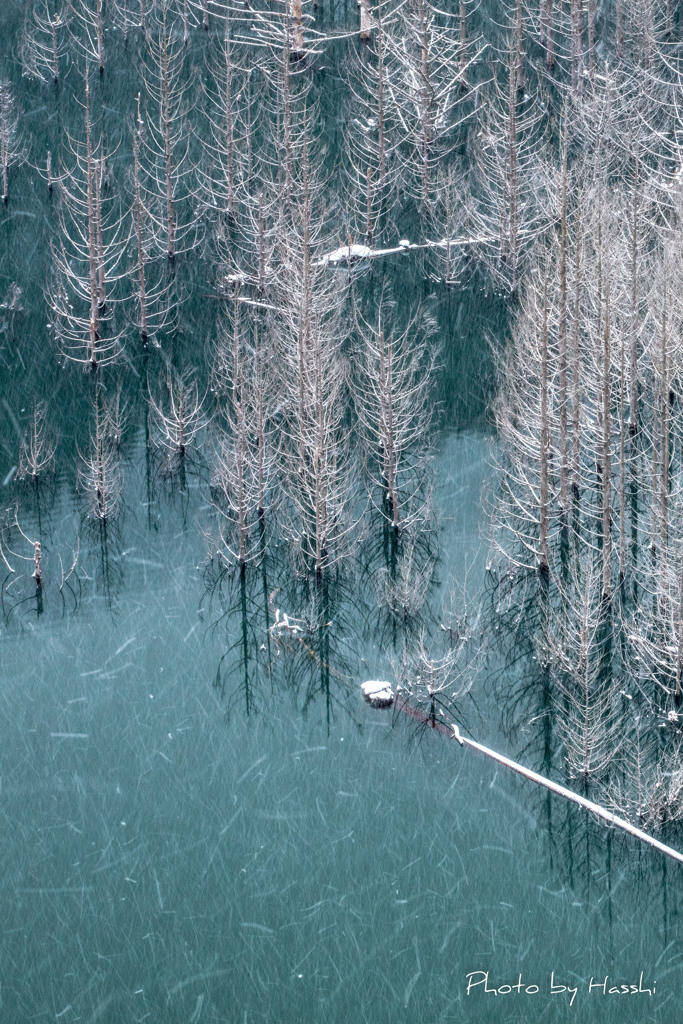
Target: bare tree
[391,388]
[202,12]
[38,449]
[434,678]
[425,86]
[87,28]
[589,712]
[45,41]
[164,145]
[510,207]
[12,539]
[87,258]
[179,419]
[289,26]
[318,470]
[131,14]
[226,146]
[245,441]
[12,150]
[100,477]
[451,220]
[526,512]
[371,165]
[154,296]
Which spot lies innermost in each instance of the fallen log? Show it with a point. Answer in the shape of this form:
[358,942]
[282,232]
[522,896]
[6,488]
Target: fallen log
[452,732]
[355,252]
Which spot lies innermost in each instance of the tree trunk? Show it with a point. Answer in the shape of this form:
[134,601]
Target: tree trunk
[606,457]
[381,154]
[296,14]
[168,152]
[92,235]
[100,37]
[634,383]
[137,212]
[577,33]
[564,435]
[519,50]
[544,561]
[365,21]
[550,37]
[229,133]
[664,420]
[463,45]
[55,52]
[592,13]
[512,144]
[619,28]
[622,464]
[101,274]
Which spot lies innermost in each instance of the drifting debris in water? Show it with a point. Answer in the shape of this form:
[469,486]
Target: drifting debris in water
[378,693]
[287,624]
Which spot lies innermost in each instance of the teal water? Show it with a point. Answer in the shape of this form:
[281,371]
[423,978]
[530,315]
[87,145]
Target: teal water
[202,820]
[164,860]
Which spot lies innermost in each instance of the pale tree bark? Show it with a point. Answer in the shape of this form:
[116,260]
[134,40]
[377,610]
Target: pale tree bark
[92,234]
[606,454]
[562,343]
[619,27]
[519,48]
[512,153]
[679,646]
[634,381]
[622,460]
[576,371]
[297,21]
[463,44]
[100,37]
[592,14]
[576,45]
[665,434]
[550,36]
[101,272]
[544,559]
[138,222]
[365,21]
[11,151]
[168,149]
